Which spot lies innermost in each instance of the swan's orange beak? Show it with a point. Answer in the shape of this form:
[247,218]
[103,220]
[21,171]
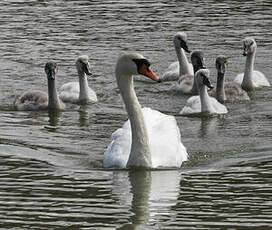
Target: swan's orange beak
[146,71]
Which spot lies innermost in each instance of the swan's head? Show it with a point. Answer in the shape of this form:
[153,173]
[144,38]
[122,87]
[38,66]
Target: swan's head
[51,68]
[132,63]
[249,46]
[198,60]
[220,64]
[180,41]
[83,65]
[202,79]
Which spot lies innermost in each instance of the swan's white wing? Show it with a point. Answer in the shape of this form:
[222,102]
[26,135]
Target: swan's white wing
[117,153]
[184,84]
[239,78]
[258,78]
[172,72]
[193,105]
[92,95]
[69,92]
[164,139]
[218,107]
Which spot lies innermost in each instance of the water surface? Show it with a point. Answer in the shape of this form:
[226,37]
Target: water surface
[51,164]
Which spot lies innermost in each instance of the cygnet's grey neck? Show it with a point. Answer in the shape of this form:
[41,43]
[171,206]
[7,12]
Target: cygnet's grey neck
[183,62]
[83,87]
[247,83]
[194,90]
[220,91]
[53,99]
[140,152]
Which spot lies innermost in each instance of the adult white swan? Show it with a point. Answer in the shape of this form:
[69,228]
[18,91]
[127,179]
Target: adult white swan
[182,66]
[227,91]
[250,79]
[38,100]
[203,103]
[187,83]
[149,139]
[79,92]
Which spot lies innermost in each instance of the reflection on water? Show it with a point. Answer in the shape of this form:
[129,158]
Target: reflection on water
[83,115]
[209,125]
[54,117]
[149,194]
[51,163]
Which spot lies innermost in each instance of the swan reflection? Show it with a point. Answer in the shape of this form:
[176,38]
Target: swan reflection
[148,195]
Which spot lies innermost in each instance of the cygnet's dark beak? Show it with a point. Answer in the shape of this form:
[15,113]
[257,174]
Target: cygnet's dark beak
[221,70]
[207,82]
[87,69]
[186,49]
[51,75]
[183,45]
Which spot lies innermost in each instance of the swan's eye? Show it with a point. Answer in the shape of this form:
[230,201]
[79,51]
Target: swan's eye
[146,62]
[140,62]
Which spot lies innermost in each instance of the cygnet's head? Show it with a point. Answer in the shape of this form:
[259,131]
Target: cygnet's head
[132,63]
[249,46]
[202,79]
[220,64]
[51,69]
[198,60]
[83,65]
[180,41]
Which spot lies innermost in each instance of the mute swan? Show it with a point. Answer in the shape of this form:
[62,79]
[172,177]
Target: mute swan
[182,66]
[149,139]
[38,100]
[187,83]
[250,79]
[203,103]
[79,92]
[229,91]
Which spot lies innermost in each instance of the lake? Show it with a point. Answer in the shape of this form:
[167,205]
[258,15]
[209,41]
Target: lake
[51,164]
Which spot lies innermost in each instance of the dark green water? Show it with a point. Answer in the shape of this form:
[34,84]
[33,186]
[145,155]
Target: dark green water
[51,165]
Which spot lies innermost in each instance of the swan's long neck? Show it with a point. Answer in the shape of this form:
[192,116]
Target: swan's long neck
[183,61]
[140,152]
[220,92]
[83,87]
[206,105]
[53,98]
[194,90]
[247,83]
